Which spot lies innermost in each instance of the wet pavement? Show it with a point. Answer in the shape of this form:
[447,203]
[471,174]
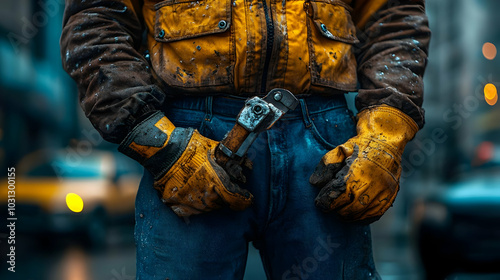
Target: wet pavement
[66,258]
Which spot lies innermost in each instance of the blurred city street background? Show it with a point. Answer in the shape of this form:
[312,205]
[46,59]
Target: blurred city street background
[445,222]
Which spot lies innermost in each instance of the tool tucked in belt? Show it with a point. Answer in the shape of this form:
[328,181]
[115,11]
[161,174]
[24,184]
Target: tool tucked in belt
[258,115]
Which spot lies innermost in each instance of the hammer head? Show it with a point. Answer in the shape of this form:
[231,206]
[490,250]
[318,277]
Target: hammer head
[282,99]
[260,114]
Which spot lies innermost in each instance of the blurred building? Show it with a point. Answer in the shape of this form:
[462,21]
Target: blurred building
[37,100]
[458,116]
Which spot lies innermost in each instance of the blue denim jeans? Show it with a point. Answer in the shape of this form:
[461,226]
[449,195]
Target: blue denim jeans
[294,238]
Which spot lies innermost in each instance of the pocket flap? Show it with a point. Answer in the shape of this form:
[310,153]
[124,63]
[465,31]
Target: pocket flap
[333,20]
[181,19]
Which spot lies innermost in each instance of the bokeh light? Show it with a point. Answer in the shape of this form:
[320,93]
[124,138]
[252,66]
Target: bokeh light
[489,51]
[490,94]
[490,91]
[74,202]
[485,151]
[492,101]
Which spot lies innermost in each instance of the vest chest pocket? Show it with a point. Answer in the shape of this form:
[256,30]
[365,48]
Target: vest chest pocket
[197,45]
[331,36]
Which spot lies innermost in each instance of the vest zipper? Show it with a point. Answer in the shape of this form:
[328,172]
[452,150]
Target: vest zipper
[269,48]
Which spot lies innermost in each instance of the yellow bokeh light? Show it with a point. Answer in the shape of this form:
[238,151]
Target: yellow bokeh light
[490,91]
[492,101]
[489,51]
[74,202]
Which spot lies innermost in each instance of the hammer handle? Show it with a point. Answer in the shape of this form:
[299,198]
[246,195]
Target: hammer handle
[233,141]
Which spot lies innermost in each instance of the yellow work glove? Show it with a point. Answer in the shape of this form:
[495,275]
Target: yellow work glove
[360,178]
[182,162]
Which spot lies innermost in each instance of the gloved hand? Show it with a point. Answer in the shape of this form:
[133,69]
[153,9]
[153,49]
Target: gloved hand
[182,161]
[360,178]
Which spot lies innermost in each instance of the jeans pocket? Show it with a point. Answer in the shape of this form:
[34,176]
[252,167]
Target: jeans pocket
[333,127]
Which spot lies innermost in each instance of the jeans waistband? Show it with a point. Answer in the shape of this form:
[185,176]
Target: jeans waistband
[231,106]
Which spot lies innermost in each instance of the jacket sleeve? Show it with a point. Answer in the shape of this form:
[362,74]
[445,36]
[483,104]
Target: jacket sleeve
[392,55]
[99,47]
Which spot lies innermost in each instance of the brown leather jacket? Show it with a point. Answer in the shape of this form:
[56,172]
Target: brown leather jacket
[241,47]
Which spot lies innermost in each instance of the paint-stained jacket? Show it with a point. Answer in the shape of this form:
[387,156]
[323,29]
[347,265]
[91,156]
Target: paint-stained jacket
[241,47]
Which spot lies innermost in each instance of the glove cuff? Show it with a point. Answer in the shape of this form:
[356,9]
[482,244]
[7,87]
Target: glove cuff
[387,124]
[156,143]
